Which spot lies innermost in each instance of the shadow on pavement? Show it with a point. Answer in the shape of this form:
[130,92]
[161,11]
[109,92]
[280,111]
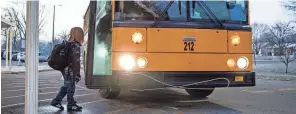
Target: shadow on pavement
[159,101]
[167,101]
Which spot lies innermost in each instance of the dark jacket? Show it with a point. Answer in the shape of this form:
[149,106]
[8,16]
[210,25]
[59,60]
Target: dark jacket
[72,72]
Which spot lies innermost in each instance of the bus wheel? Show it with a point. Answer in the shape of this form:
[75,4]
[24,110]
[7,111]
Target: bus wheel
[200,93]
[109,93]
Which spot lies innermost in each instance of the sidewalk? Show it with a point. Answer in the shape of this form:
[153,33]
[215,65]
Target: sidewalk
[275,76]
[259,60]
[275,71]
[22,69]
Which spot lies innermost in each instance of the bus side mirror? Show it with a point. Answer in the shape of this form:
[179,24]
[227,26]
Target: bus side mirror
[231,4]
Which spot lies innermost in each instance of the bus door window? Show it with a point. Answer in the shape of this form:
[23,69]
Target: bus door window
[105,22]
[103,39]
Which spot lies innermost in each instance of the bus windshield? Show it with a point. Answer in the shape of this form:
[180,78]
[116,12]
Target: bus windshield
[178,11]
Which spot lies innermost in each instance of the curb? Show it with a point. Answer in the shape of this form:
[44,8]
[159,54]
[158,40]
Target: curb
[280,77]
[17,72]
[267,61]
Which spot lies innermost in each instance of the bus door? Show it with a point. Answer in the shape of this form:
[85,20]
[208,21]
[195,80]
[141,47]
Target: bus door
[98,56]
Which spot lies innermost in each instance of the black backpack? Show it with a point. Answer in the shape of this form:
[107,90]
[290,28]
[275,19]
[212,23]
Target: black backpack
[59,58]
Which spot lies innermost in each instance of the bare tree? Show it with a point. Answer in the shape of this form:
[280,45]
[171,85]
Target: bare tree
[290,5]
[258,31]
[16,14]
[62,36]
[278,36]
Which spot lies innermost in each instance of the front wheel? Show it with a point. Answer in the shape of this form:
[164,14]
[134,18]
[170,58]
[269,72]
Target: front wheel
[109,93]
[200,93]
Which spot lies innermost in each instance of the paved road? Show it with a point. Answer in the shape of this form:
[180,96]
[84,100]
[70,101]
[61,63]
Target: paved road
[269,96]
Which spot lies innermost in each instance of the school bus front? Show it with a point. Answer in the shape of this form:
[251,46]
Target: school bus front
[156,44]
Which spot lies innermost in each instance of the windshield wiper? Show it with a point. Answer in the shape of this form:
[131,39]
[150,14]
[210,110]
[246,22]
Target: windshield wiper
[153,13]
[147,9]
[201,4]
[166,9]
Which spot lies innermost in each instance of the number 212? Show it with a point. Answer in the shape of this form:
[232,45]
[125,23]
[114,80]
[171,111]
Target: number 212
[189,45]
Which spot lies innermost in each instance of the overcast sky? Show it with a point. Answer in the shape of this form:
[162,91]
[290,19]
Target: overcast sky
[71,12]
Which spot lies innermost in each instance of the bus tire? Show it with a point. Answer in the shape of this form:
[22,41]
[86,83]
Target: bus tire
[200,93]
[109,93]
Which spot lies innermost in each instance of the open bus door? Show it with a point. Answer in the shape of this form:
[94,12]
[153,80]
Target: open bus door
[98,73]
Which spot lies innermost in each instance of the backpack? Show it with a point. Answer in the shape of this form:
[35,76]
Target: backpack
[59,59]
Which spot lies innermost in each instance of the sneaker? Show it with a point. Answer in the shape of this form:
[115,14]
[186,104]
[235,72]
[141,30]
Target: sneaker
[74,107]
[57,105]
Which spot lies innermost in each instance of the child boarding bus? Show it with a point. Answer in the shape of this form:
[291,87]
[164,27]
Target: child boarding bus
[147,45]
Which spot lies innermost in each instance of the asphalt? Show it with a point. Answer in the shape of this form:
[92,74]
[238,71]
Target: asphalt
[268,96]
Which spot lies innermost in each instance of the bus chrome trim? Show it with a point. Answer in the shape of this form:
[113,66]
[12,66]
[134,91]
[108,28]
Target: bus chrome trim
[189,38]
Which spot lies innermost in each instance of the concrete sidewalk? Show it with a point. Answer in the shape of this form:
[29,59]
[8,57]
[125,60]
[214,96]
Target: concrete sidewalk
[22,69]
[275,76]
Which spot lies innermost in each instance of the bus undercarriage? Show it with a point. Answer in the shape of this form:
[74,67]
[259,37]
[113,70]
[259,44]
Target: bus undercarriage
[197,81]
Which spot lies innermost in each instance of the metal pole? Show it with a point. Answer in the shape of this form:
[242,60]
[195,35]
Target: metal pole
[53,27]
[6,51]
[10,46]
[254,53]
[31,81]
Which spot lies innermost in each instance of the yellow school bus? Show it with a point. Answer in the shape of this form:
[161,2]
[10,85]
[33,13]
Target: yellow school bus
[146,45]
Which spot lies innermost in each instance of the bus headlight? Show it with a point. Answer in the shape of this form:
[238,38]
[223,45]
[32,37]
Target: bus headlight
[230,63]
[127,62]
[235,40]
[137,37]
[142,62]
[242,63]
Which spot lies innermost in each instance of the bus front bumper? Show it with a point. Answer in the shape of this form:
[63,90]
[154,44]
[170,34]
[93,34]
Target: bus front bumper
[212,79]
[198,79]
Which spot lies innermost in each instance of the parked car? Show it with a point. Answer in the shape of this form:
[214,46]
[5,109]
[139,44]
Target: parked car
[13,54]
[42,57]
[14,57]
[22,56]
[2,54]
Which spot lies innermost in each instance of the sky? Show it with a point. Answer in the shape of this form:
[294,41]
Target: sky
[69,13]
[268,11]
